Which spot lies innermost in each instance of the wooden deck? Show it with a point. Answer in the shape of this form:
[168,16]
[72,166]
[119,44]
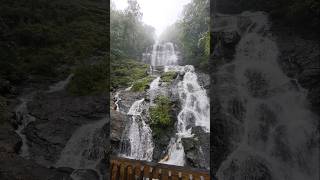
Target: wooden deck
[128,169]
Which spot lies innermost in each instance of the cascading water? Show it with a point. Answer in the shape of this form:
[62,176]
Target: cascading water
[83,150]
[23,116]
[138,133]
[137,138]
[195,112]
[280,138]
[163,54]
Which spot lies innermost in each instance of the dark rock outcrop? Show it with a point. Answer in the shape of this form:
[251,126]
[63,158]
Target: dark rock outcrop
[10,141]
[197,148]
[58,115]
[14,167]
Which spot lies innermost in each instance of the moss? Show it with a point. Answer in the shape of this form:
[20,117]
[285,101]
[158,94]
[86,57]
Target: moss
[3,110]
[125,71]
[89,79]
[160,115]
[168,76]
[142,84]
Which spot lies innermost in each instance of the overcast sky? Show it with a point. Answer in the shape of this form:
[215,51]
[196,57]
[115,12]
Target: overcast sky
[157,13]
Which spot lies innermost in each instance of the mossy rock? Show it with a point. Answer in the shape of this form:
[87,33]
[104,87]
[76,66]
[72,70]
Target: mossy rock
[125,71]
[142,84]
[168,76]
[160,115]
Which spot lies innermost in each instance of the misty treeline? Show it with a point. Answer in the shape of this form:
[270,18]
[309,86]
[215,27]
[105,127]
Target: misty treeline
[191,34]
[129,36]
[303,14]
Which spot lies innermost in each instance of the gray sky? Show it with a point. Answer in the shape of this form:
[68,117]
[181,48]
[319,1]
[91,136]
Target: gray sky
[157,13]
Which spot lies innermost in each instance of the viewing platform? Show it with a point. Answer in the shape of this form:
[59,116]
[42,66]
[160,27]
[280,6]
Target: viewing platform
[129,169]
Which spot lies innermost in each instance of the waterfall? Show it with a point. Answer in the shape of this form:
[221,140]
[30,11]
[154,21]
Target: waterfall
[163,54]
[154,86]
[280,138]
[138,133]
[60,85]
[84,149]
[195,112]
[24,118]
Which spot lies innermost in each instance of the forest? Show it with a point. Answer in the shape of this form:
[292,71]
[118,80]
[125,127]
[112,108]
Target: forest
[130,37]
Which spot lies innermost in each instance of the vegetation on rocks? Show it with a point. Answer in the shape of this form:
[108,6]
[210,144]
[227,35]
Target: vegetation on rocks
[168,76]
[89,79]
[142,84]
[160,115]
[125,71]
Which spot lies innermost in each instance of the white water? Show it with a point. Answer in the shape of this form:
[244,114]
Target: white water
[195,106]
[60,85]
[163,54]
[139,134]
[278,127]
[23,116]
[195,112]
[81,152]
[154,87]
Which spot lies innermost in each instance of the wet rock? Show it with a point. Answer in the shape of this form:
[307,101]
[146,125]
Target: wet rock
[14,167]
[204,80]
[197,148]
[103,168]
[85,174]
[299,59]
[117,127]
[58,115]
[9,140]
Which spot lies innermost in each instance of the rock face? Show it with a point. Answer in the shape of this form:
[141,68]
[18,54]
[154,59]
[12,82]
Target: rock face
[197,148]
[117,127]
[300,59]
[58,115]
[14,167]
[10,142]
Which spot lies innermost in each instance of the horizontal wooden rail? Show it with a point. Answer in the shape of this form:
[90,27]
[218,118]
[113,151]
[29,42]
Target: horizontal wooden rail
[129,169]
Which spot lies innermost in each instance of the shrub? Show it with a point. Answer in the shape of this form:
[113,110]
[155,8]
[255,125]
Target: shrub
[168,76]
[160,115]
[125,71]
[90,79]
[142,84]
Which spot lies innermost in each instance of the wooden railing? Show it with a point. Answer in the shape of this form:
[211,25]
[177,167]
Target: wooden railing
[128,169]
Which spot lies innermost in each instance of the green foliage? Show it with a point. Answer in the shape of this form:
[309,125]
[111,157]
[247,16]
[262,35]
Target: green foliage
[129,35]
[191,34]
[168,76]
[89,79]
[160,115]
[125,71]
[142,84]
[3,110]
[39,36]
